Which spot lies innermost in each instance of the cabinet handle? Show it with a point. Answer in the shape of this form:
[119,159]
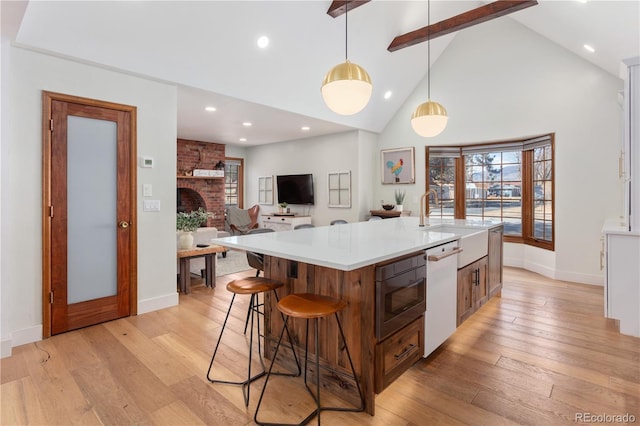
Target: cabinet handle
[406,352]
[437,257]
[476,278]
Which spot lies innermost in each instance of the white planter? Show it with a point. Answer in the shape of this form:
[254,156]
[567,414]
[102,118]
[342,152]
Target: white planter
[399,207]
[185,240]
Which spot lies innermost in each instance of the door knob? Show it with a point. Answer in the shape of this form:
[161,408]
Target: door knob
[123,224]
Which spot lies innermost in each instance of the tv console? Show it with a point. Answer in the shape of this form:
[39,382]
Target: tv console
[283,221]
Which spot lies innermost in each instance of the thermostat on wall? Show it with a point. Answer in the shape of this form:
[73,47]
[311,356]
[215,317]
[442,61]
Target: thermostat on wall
[146,162]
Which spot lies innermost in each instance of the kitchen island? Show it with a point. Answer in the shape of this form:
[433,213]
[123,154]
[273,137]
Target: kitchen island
[341,261]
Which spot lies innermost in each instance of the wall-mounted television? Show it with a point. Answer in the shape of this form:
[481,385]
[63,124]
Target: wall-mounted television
[295,189]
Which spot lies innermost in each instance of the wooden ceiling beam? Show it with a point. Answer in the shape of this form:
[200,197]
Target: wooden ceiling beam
[467,19]
[339,7]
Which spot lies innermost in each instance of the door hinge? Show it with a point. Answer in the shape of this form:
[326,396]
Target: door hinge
[51,298]
[50,211]
[51,124]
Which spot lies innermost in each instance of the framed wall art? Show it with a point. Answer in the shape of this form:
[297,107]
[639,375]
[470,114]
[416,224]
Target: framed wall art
[339,186]
[265,189]
[398,165]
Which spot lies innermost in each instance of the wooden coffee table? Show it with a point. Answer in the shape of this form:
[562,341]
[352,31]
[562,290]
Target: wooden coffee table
[209,253]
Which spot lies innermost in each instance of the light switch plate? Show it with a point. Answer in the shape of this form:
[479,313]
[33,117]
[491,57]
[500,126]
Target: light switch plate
[151,205]
[147,190]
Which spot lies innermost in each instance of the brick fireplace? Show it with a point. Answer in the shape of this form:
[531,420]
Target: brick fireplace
[192,191]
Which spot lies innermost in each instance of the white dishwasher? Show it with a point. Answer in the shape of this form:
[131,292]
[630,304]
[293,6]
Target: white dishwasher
[442,288]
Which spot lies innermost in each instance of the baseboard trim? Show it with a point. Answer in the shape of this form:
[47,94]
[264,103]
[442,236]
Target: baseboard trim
[19,338]
[5,347]
[555,274]
[576,277]
[157,303]
[34,334]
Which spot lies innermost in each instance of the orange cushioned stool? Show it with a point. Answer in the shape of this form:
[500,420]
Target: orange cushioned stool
[311,307]
[253,286]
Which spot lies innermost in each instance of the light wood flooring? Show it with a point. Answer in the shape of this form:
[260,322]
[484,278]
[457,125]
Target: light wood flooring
[540,354]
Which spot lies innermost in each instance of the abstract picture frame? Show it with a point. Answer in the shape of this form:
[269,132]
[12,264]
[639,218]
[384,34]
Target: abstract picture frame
[397,165]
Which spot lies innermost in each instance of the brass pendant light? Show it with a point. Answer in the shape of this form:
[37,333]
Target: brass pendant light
[347,87]
[430,118]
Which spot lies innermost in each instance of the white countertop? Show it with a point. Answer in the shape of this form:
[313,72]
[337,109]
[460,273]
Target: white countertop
[351,246]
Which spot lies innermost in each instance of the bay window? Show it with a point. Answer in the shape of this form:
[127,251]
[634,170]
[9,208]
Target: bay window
[509,181]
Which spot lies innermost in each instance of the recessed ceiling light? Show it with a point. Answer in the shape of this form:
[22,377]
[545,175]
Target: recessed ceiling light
[247,124]
[210,109]
[589,48]
[243,139]
[263,42]
[388,94]
[306,128]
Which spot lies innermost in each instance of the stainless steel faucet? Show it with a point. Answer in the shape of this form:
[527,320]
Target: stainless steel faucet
[422,203]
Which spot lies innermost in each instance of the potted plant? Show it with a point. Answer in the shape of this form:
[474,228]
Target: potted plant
[189,222]
[399,196]
[283,207]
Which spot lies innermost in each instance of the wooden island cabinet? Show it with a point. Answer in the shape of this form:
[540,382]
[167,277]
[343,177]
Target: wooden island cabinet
[341,262]
[479,281]
[495,262]
[473,290]
[357,289]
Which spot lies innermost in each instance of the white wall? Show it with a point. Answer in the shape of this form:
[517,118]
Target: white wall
[5,341]
[318,156]
[21,272]
[500,80]
[368,161]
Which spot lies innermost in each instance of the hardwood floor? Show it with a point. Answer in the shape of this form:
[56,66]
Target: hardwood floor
[541,354]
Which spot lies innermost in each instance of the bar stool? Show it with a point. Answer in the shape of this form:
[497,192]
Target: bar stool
[253,286]
[311,307]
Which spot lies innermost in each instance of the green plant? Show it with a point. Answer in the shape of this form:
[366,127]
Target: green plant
[283,205]
[191,221]
[399,195]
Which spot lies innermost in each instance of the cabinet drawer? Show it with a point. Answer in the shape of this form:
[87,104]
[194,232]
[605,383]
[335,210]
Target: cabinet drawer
[398,352]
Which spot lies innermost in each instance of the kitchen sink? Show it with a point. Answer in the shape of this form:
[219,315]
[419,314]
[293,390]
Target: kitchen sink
[474,242]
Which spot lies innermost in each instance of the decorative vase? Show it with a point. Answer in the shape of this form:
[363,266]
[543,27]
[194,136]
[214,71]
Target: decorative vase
[399,207]
[185,241]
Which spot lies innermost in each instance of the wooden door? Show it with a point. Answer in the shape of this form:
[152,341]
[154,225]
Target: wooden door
[89,244]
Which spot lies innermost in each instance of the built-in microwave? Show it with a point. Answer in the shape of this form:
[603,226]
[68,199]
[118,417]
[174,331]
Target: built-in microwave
[401,294]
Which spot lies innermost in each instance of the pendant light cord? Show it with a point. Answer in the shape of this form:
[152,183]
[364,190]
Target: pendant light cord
[346,29]
[428,50]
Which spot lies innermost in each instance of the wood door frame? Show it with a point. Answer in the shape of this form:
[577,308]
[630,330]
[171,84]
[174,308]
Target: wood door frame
[47,99]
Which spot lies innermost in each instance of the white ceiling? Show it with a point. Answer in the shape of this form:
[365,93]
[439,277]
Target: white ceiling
[208,49]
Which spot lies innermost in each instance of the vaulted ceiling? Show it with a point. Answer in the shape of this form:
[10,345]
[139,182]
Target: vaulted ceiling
[208,49]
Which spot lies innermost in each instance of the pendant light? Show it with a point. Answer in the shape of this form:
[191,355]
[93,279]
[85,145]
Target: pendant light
[346,88]
[430,118]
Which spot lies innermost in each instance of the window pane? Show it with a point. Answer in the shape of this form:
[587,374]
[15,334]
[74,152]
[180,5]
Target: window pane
[442,180]
[542,226]
[494,184]
[493,187]
[231,184]
[512,226]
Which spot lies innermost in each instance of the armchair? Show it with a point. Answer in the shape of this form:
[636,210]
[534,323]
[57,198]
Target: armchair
[240,221]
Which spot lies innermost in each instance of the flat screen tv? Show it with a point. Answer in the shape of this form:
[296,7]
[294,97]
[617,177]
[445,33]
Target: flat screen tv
[295,189]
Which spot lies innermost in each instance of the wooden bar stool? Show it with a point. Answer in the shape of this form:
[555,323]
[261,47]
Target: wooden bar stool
[253,286]
[311,307]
